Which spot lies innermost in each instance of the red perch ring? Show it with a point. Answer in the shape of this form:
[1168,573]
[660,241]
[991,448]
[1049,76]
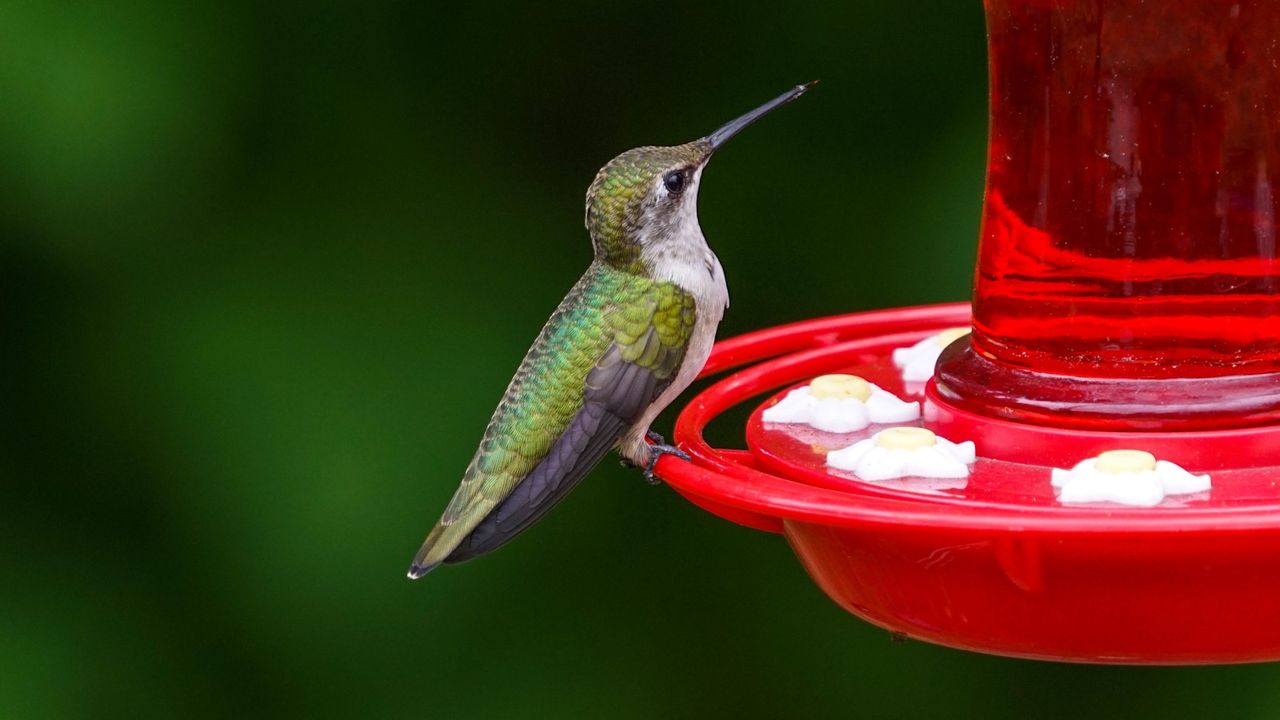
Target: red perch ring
[995,564]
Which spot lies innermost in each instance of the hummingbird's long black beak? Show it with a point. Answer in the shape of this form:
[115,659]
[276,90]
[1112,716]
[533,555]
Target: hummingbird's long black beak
[733,127]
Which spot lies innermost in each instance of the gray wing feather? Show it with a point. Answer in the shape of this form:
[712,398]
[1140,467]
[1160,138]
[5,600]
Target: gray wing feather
[617,393]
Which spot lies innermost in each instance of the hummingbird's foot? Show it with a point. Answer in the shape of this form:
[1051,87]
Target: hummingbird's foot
[658,451]
[655,440]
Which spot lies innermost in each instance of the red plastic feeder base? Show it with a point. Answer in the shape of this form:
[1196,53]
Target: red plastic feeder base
[995,563]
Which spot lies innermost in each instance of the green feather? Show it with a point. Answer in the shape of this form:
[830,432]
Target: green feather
[649,321]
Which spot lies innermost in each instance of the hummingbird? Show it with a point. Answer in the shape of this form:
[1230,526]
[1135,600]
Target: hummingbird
[632,333]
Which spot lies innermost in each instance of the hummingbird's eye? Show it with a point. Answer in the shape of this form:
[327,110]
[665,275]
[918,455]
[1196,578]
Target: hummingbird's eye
[674,181]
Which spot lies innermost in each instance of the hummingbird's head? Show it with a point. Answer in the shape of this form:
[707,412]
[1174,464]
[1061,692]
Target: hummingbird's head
[646,198]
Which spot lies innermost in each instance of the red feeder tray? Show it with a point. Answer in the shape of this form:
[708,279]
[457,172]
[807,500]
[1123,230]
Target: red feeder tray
[1127,295]
[996,565]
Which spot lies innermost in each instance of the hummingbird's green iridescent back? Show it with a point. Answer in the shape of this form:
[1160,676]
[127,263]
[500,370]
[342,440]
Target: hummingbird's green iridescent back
[620,335]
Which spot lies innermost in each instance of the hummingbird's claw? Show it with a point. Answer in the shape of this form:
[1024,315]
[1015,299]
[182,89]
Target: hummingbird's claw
[658,451]
[655,438]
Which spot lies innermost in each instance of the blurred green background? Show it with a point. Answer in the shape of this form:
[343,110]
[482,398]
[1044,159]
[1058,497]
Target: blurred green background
[264,271]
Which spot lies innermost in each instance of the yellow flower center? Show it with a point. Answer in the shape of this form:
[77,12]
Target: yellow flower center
[906,438]
[840,387]
[1115,462]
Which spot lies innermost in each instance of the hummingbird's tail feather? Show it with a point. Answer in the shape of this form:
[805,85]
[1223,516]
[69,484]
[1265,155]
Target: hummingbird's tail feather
[452,530]
[416,571]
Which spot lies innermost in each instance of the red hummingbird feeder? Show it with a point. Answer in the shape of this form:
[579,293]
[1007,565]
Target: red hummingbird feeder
[1125,320]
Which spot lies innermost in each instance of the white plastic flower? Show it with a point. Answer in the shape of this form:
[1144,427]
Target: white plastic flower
[1126,477]
[841,404]
[917,362]
[904,452]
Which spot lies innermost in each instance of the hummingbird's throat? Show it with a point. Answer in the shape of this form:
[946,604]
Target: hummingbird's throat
[670,238]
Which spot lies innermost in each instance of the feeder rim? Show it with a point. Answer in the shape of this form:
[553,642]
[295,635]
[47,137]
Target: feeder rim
[802,349]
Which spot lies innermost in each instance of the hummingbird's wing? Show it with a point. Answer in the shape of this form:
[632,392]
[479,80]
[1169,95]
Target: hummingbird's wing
[615,342]
[617,394]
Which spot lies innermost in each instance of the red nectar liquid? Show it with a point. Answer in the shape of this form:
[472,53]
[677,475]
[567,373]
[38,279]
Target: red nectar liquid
[1127,274]
[1133,188]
